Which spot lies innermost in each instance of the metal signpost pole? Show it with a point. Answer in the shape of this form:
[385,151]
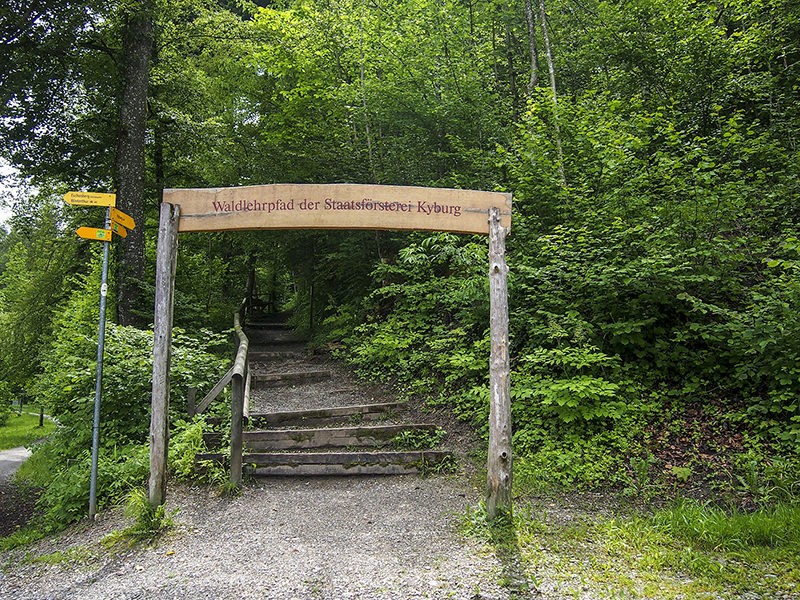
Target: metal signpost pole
[98,387]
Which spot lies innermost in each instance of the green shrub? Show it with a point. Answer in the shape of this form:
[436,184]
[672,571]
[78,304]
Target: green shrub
[148,522]
[66,495]
[68,385]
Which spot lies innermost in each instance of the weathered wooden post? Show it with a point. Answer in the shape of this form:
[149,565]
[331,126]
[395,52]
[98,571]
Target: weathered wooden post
[166,256]
[498,480]
[237,407]
[191,402]
[238,389]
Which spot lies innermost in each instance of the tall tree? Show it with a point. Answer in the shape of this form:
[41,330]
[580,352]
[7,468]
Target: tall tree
[137,52]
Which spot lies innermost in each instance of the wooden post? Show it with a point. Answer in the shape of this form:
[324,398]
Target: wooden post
[238,388]
[166,256]
[498,480]
[237,407]
[191,398]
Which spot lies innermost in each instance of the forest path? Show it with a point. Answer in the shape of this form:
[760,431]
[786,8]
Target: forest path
[321,538]
[11,460]
[354,537]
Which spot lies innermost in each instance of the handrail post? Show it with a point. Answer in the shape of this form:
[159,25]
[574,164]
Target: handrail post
[238,385]
[237,409]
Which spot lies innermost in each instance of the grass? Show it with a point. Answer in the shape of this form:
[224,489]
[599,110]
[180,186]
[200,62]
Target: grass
[715,529]
[21,430]
[688,551]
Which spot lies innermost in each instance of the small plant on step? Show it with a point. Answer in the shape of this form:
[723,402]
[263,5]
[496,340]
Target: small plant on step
[446,466]
[418,440]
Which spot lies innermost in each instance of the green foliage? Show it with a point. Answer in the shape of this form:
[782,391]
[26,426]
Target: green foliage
[764,480]
[32,284]
[186,440]
[66,388]
[419,440]
[65,498]
[6,402]
[68,385]
[687,551]
[421,330]
[148,522]
[579,459]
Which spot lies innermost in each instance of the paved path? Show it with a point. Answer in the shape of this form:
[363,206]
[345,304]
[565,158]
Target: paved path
[10,461]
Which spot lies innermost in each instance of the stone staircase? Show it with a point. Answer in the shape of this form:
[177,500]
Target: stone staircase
[308,417]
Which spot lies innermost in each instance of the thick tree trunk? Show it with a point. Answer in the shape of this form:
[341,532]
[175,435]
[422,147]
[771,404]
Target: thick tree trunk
[137,48]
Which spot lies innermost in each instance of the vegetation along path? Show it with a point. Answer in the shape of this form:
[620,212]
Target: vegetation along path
[401,536]
[355,536]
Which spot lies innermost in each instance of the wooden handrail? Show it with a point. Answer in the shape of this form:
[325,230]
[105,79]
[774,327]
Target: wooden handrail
[239,379]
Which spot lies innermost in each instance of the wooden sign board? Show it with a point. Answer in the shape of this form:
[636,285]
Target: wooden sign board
[337,206]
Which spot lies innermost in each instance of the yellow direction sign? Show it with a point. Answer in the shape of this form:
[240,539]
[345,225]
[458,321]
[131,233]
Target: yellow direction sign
[93,233]
[117,216]
[119,229]
[90,199]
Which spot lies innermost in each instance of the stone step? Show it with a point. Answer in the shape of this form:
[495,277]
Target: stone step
[260,379]
[338,463]
[265,354]
[321,415]
[273,337]
[332,437]
[256,324]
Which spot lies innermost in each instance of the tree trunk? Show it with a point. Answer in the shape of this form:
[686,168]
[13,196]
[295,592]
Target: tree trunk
[137,49]
[362,80]
[530,19]
[552,73]
[512,77]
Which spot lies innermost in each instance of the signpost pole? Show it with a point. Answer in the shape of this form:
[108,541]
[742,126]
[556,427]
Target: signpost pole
[98,386]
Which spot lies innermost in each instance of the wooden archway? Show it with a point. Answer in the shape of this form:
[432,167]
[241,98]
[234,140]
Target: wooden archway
[338,206]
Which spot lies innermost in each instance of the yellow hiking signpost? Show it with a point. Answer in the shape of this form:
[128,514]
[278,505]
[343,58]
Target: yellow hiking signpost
[90,199]
[93,233]
[120,218]
[116,222]
[119,229]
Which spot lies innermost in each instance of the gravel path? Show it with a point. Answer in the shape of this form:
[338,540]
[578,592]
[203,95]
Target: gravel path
[331,538]
[11,460]
[293,538]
